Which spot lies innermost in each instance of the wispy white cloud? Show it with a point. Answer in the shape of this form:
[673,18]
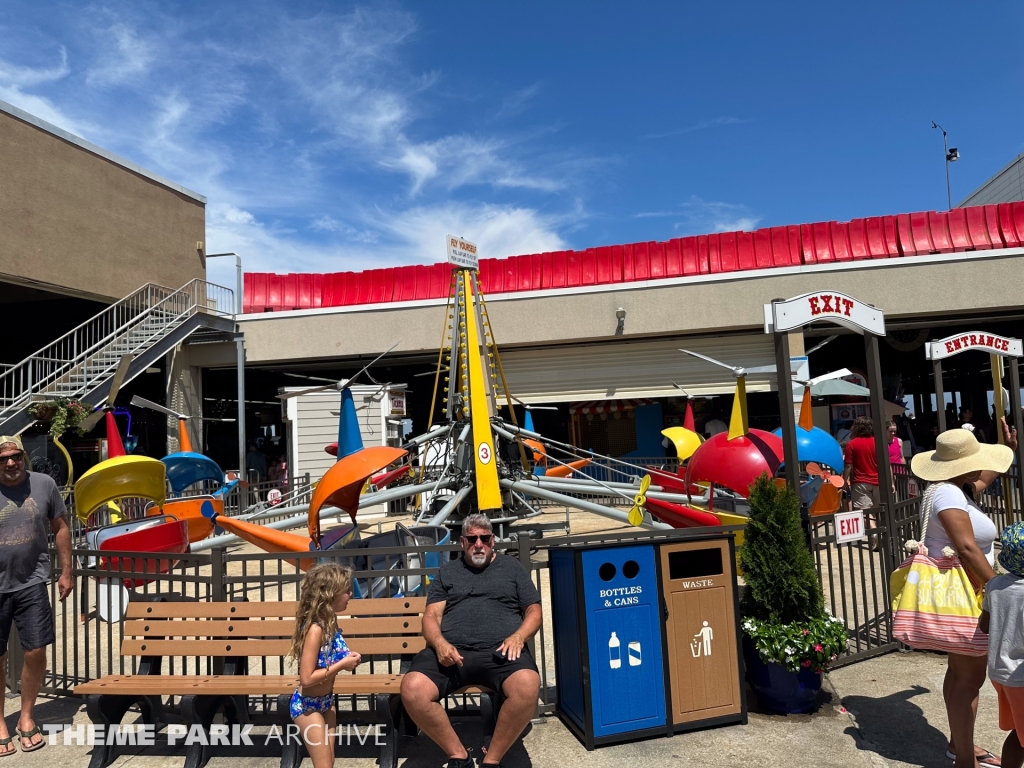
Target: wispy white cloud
[497,229]
[124,56]
[17,82]
[300,137]
[713,122]
[699,217]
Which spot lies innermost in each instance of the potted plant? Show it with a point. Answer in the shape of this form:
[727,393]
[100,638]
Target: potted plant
[62,413]
[789,639]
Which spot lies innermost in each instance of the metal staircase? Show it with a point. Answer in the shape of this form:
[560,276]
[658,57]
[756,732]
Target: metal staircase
[145,324]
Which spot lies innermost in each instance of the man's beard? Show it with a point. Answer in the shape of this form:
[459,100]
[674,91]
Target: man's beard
[478,559]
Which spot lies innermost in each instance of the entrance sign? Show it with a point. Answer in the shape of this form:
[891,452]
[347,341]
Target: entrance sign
[833,306]
[462,253]
[975,340]
[849,526]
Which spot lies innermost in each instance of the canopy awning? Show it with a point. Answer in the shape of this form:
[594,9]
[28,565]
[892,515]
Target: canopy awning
[608,406]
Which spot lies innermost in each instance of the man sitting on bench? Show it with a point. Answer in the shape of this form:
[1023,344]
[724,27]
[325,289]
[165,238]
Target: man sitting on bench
[489,608]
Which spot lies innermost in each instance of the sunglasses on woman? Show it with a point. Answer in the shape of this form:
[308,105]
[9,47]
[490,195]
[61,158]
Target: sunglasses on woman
[485,538]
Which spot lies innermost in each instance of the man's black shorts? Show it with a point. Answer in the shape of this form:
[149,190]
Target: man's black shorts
[478,668]
[29,610]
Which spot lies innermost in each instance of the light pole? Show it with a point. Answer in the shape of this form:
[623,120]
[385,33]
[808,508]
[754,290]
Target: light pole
[952,155]
[238,278]
[240,365]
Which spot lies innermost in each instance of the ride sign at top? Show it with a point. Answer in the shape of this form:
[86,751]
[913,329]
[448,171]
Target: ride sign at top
[823,305]
[462,253]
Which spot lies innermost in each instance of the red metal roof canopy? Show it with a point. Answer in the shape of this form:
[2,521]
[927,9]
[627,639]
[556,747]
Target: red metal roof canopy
[880,237]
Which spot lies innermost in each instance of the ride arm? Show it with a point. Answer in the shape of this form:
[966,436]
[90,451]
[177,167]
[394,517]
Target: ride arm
[961,535]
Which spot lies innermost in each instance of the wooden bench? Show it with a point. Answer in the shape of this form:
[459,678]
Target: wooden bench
[386,631]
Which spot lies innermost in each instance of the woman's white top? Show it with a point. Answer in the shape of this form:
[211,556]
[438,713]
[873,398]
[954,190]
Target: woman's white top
[950,497]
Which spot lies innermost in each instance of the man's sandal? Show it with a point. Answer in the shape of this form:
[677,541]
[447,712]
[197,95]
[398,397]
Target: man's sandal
[4,744]
[28,735]
[986,760]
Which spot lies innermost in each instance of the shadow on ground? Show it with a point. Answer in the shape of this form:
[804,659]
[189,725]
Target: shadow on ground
[421,752]
[895,727]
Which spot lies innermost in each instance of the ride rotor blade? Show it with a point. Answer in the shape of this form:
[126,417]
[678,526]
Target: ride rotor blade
[732,368]
[91,420]
[827,376]
[362,370]
[209,418]
[324,388]
[685,393]
[118,380]
[309,378]
[142,402]
[822,344]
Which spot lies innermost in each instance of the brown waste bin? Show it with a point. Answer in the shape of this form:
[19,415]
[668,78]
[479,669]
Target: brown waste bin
[702,632]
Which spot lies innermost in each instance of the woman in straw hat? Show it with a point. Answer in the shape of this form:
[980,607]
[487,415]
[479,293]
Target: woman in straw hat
[958,471]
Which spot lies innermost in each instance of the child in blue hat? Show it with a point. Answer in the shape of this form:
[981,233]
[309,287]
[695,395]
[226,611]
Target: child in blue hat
[1002,618]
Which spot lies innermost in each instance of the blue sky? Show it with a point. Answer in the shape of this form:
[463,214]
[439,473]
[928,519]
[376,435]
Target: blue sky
[331,136]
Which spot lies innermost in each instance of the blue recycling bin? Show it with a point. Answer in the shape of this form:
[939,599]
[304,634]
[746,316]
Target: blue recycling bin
[609,656]
[647,637]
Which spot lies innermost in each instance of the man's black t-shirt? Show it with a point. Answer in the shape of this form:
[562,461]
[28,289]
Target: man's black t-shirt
[483,606]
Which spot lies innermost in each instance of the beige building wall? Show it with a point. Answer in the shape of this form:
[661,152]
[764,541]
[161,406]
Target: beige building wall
[77,220]
[956,285]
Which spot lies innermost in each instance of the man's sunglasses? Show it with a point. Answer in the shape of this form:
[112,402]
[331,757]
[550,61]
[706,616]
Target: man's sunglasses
[12,456]
[485,538]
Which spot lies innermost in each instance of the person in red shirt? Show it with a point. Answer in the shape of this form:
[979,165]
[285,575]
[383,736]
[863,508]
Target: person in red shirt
[861,465]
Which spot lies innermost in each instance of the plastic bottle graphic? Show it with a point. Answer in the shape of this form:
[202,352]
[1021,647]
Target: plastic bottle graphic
[614,652]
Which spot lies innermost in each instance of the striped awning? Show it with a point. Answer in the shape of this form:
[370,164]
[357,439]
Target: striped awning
[608,406]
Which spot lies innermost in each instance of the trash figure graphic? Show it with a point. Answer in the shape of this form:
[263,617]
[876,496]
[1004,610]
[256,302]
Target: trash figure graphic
[702,641]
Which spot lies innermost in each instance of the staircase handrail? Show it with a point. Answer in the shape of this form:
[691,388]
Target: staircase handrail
[52,351]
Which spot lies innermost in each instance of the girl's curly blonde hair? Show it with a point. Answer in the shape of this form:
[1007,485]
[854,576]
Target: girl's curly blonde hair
[322,584]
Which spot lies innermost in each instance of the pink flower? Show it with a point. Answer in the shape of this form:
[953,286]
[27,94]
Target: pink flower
[806,632]
[817,648]
[805,663]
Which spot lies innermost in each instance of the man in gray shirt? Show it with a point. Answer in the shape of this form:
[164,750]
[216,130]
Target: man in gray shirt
[481,611]
[30,503]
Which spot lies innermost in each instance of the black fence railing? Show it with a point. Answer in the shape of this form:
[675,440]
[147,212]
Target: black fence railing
[90,622]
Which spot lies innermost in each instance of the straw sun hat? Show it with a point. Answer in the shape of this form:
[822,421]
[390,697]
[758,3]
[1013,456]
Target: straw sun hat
[958,452]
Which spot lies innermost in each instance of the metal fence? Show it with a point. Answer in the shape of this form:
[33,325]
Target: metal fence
[88,646]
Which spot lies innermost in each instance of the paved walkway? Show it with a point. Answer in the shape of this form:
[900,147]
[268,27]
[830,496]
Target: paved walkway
[877,713]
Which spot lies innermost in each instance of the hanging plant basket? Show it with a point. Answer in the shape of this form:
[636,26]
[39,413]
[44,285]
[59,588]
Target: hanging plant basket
[44,412]
[62,414]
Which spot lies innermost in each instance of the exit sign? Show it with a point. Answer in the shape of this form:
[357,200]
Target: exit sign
[849,526]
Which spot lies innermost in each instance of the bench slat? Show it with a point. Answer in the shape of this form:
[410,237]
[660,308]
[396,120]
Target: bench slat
[230,685]
[380,606]
[350,627]
[237,685]
[365,646]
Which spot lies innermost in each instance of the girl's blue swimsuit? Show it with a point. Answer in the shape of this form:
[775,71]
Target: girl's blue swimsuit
[330,653]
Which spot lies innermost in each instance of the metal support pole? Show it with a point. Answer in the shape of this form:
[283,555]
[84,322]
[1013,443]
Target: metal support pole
[1017,419]
[523,543]
[243,491]
[786,414]
[940,396]
[885,493]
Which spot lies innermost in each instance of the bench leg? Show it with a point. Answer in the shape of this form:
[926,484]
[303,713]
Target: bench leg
[490,706]
[106,710]
[291,752]
[200,710]
[388,714]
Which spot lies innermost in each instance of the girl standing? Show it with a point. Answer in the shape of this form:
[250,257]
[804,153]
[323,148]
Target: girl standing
[322,653]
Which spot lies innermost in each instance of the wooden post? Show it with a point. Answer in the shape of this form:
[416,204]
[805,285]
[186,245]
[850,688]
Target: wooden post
[786,413]
[885,494]
[940,396]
